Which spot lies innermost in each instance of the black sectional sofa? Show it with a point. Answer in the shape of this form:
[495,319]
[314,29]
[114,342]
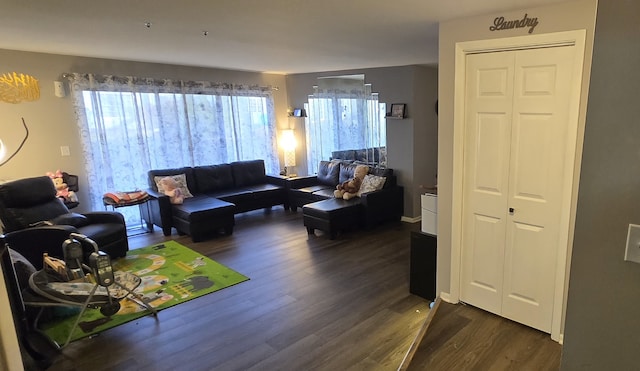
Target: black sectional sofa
[321,210]
[376,156]
[219,192]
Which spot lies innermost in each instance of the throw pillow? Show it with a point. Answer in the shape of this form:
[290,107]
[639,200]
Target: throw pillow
[371,183]
[181,179]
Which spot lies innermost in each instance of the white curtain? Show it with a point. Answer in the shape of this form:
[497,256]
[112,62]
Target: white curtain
[343,119]
[130,125]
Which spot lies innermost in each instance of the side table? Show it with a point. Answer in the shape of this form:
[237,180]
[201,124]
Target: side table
[143,208]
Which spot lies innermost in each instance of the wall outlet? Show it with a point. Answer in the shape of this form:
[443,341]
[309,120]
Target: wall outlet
[64,151]
[632,252]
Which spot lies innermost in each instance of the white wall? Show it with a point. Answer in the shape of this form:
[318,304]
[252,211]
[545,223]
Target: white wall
[52,120]
[10,358]
[572,15]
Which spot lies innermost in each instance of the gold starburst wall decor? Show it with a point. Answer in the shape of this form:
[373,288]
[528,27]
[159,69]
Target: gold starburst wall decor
[18,87]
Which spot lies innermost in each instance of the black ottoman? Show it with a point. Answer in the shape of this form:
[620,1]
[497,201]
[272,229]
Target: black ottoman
[332,215]
[203,217]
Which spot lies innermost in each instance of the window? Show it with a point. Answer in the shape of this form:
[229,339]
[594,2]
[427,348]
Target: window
[345,119]
[129,127]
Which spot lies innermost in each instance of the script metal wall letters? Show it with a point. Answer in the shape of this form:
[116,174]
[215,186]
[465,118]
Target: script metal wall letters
[499,23]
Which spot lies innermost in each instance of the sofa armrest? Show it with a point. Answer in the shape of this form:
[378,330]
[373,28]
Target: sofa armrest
[154,194]
[382,205]
[277,180]
[33,242]
[160,210]
[96,217]
[302,181]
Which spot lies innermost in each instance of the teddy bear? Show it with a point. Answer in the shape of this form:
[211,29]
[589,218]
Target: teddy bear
[62,189]
[349,189]
[171,188]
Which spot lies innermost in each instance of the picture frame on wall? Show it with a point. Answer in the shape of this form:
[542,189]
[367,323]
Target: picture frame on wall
[397,110]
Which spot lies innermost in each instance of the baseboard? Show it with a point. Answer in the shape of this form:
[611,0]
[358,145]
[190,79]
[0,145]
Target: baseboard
[421,334]
[446,297]
[407,219]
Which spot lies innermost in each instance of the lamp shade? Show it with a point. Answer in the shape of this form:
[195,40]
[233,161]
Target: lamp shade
[290,158]
[288,140]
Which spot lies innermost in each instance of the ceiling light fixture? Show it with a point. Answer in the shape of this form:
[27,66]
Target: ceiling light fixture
[18,87]
[15,88]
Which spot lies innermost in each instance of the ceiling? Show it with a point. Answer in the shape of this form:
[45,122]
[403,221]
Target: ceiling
[274,36]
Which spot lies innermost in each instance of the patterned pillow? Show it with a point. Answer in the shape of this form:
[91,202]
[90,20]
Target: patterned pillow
[181,179]
[371,183]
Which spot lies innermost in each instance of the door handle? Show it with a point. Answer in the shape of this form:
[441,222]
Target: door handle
[511,210]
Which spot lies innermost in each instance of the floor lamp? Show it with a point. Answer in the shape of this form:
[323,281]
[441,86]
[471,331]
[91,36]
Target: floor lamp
[288,144]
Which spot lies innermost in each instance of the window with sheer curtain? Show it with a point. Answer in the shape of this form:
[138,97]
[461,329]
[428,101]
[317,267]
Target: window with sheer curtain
[130,125]
[344,119]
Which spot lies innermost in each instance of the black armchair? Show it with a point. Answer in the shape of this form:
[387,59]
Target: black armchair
[30,209]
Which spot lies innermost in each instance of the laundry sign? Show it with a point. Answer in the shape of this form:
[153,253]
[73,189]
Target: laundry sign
[499,23]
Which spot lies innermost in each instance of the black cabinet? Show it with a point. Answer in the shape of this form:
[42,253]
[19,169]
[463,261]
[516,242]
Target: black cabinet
[422,280]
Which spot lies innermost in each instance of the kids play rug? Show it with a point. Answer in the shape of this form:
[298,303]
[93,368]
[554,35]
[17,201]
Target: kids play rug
[171,274]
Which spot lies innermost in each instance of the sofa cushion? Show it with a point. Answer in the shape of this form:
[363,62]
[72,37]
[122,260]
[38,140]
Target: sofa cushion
[213,178]
[328,172]
[266,188]
[247,173]
[312,189]
[237,193]
[347,172]
[325,193]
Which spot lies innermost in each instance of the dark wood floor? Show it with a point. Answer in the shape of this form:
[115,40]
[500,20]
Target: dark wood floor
[310,304]
[461,337]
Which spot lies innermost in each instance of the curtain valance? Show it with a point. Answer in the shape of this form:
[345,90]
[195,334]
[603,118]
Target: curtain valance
[96,82]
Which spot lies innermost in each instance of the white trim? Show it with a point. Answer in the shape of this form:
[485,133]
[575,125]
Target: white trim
[447,298]
[9,346]
[567,38]
[407,219]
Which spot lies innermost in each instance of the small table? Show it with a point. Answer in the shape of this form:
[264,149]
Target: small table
[143,207]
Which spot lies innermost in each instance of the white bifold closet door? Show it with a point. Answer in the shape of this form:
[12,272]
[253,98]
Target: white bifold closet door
[516,135]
